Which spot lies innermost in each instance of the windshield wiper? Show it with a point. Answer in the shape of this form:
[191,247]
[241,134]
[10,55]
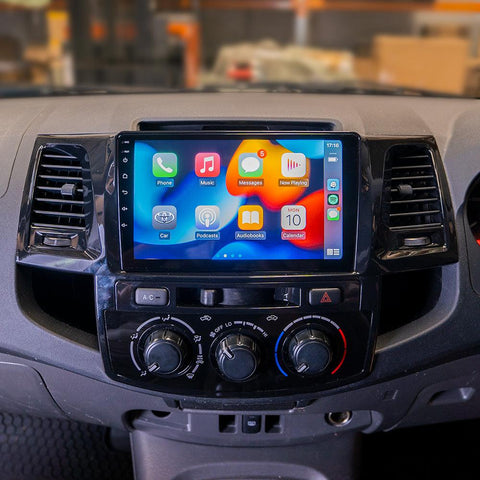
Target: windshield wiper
[52,91]
[346,88]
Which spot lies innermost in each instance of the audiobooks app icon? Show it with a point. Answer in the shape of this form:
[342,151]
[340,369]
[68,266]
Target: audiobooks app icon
[294,165]
[250,217]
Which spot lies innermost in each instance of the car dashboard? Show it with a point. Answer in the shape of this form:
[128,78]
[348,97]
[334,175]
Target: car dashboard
[194,336]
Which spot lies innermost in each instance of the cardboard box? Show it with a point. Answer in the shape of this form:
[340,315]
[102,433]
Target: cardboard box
[366,68]
[58,32]
[472,88]
[437,64]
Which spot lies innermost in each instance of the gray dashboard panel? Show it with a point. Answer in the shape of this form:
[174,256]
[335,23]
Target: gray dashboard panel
[14,122]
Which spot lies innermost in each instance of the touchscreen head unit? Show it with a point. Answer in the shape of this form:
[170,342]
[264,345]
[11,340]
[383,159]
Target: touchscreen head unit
[237,201]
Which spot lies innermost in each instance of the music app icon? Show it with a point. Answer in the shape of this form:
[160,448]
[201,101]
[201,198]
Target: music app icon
[207,164]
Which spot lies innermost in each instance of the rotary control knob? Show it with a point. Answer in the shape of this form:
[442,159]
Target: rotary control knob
[310,351]
[237,357]
[166,352]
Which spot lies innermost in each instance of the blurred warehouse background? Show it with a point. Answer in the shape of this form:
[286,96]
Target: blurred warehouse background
[426,44]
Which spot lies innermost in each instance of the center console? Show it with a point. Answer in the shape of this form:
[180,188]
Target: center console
[240,272]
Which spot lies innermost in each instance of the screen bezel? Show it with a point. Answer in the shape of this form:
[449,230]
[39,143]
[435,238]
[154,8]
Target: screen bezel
[124,178]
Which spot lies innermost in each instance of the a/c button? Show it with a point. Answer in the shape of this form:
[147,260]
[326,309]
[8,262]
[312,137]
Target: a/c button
[151,296]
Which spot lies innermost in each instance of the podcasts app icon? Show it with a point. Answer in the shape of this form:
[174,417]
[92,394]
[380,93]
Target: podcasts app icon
[207,217]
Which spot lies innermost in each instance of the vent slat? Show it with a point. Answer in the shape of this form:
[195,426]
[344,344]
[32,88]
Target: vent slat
[54,155]
[415,157]
[55,189]
[416,200]
[65,227]
[60,156]
[60,178]
[418,228]
[62,200]
[417,189]
[418,213]
[412,167]
[407,179]
[62,167]
[54,213]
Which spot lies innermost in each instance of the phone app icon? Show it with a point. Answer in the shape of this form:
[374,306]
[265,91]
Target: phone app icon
[294,165]
[333,214]
[294,217]
[250,217]
[250,165]
[164,217]
[207,217]
[207,164]
[165,165]
[333,184]
[333,199]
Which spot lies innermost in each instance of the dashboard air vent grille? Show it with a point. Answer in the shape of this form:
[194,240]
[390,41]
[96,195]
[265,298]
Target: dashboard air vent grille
[62,197]
[473,210]
[411,195]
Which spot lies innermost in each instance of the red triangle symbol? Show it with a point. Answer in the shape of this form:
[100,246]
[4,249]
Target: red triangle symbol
[326,298]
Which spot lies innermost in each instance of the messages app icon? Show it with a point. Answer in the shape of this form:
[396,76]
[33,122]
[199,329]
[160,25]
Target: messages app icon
[250,165]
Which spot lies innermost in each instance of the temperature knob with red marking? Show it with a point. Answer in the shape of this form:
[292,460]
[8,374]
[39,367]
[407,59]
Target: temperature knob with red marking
[310,351]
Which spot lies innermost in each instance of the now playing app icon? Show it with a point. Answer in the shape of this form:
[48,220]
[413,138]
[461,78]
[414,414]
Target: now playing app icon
[294,165]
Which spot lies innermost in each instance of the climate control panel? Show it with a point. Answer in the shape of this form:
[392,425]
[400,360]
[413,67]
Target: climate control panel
[238,350]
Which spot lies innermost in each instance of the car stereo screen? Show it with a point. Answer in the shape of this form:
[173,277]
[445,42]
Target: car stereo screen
[238,199]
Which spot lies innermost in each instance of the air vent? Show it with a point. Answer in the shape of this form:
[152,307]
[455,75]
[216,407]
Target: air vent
[473,209]
[412,211]
[411,190]
[62,204]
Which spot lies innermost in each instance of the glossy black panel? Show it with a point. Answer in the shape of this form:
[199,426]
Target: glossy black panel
[349,330]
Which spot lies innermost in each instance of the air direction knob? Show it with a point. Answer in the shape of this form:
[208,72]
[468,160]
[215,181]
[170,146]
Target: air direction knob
[166,352]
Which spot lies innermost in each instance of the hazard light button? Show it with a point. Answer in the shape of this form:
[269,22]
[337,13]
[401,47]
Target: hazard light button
[324,296]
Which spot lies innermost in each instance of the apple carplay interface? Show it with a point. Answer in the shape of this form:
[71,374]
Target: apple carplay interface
[238,199]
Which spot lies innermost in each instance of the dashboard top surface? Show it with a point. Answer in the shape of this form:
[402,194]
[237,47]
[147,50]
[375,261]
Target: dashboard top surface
[366,115]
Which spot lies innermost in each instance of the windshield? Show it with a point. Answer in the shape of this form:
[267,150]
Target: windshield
[400,47]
